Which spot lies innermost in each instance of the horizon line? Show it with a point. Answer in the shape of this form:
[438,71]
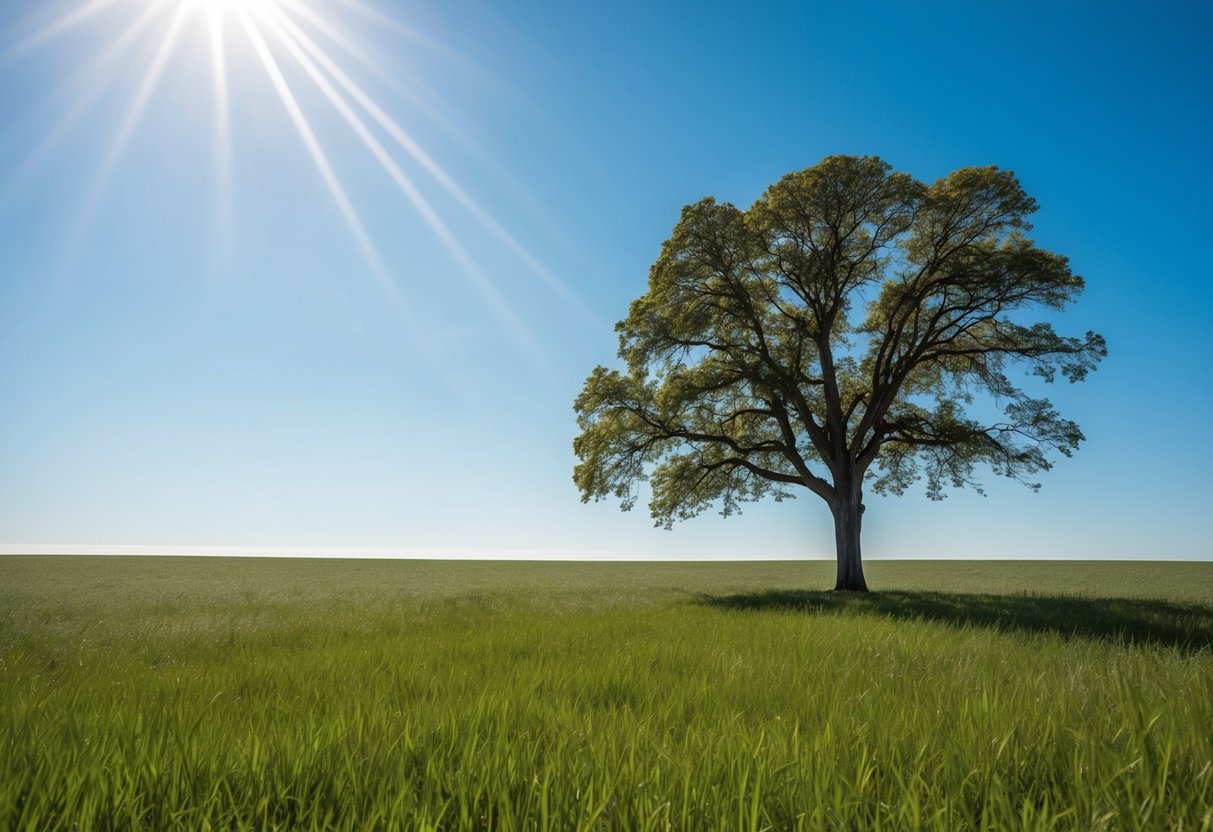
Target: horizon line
[494,554]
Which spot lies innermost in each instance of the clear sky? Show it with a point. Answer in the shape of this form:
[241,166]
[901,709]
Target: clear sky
[341,292]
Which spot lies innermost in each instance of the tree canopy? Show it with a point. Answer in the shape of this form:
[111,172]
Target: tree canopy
[836,334]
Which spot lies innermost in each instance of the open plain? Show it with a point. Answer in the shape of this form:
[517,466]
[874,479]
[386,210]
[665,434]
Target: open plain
[162,693]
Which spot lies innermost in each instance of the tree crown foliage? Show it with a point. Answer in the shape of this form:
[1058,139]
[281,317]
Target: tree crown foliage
[836,332]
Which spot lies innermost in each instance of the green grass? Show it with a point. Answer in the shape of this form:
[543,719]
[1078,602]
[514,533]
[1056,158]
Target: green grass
[160,693]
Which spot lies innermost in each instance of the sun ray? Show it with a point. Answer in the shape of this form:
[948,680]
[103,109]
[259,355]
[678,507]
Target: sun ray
[446,53]
[91,81]
[87,76]
[339,39]
[144,94]
[431,166]
[419,94]
[121,43]
[57,27]
[275,28]
[450,55]
[101,178]
[499,304]
[375,16]
[223,149]
[319,159]
[415,329]
[223,138]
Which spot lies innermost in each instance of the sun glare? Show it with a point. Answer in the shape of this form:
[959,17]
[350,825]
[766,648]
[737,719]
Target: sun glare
[307,36]
[225,6]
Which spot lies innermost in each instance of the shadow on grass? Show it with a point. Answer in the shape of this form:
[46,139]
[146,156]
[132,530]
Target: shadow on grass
[1187,627]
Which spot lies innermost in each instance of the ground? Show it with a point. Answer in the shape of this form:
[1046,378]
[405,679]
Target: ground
[185,693]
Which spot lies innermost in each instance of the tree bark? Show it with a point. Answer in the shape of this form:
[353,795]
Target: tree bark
[848,522]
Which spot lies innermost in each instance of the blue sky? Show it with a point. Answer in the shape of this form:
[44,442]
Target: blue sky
[191,358]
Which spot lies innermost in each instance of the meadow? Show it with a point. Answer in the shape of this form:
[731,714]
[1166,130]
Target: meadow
[178,693]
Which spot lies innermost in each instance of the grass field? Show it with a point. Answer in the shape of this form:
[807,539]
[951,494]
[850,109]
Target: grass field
[160,693]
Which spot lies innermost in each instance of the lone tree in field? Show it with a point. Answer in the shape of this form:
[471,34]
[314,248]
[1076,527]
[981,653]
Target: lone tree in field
[831,335]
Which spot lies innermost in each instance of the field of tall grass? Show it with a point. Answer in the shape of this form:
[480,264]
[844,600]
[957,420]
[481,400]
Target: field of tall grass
[162,693]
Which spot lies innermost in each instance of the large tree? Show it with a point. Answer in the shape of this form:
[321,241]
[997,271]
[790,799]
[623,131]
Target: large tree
[833,335]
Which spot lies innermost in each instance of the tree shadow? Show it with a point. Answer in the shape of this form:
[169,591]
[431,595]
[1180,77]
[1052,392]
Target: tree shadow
[1185,626]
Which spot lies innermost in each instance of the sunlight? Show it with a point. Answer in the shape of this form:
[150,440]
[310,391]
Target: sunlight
[419,202]
[320,159]
[223,141]
[290,45]
[221,6]
[313,145]
[138,103]
[56,28]
[452,188]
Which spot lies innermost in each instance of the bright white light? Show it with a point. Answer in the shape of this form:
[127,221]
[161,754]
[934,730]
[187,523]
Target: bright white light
[291,25]
[221,6]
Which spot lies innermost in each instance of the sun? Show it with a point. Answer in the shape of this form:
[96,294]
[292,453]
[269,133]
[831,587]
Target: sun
[220,6]
[305,37]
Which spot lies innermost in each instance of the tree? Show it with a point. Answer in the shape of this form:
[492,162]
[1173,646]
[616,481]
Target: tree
[831,336]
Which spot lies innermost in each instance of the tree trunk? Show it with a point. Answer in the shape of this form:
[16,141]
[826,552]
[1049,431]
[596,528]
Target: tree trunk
[848,521]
